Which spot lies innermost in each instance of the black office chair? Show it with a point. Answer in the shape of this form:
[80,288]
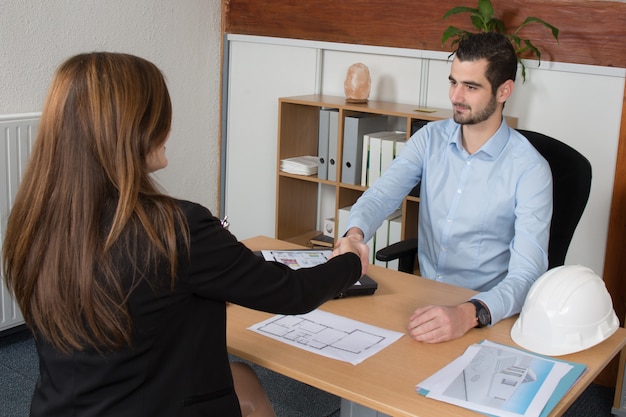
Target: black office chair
[571,177]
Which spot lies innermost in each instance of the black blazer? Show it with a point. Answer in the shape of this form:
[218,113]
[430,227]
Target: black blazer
[178,363]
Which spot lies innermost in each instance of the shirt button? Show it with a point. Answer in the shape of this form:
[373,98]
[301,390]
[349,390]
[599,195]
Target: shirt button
[459,191]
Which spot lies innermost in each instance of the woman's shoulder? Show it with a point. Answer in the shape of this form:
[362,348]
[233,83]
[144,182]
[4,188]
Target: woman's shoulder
[191,208]
[196,215]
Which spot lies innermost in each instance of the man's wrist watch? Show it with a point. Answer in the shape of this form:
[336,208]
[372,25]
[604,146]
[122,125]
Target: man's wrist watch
[482,314]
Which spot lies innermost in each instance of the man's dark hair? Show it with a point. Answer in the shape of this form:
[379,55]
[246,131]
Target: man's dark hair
[496,49]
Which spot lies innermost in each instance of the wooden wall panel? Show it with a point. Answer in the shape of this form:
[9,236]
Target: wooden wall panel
[592,32]
[615,257]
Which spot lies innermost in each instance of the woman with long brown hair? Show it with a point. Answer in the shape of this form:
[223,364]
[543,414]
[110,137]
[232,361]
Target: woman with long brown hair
[124,287]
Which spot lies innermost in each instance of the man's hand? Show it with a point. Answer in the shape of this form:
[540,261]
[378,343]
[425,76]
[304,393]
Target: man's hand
[434,324]
[353,242]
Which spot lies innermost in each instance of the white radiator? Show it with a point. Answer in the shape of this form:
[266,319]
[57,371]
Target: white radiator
[17,135]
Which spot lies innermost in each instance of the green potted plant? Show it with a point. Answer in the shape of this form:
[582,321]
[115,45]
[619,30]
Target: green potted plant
[484,20]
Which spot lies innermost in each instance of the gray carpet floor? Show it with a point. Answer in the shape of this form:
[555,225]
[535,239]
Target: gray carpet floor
[19,368]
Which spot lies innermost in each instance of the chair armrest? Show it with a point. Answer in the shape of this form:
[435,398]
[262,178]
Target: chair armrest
[404,251]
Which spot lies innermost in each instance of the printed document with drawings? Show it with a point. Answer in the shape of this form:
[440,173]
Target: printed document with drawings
[306,258]
[499,380]
[328,334]
[296,259]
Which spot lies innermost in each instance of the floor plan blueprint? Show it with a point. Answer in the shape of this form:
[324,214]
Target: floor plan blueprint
[328,335]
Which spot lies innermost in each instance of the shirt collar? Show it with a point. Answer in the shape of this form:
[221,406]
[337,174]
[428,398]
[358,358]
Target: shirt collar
[492,147]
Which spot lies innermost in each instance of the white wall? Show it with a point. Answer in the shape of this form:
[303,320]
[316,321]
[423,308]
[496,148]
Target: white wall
[183,38]
[275,71]
[579,105]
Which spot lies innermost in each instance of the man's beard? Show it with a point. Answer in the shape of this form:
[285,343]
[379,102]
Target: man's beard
[481,116]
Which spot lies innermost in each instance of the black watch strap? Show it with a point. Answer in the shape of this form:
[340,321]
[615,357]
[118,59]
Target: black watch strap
[482,314]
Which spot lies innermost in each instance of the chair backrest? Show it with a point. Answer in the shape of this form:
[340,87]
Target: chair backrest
[571,179]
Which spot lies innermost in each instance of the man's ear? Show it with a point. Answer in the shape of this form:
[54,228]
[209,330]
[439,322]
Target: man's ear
[505,90]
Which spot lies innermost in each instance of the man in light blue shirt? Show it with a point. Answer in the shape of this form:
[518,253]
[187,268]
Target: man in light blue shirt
[485,197]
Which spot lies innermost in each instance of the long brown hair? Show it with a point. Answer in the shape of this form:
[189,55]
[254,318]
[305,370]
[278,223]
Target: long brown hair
[87,198]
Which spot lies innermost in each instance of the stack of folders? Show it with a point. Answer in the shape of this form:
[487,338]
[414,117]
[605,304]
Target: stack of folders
[354,129]
[300,165]
[379,149]
[327,144]
[388,233]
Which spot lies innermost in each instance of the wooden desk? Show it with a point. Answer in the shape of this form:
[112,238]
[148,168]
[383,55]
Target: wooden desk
[386,381]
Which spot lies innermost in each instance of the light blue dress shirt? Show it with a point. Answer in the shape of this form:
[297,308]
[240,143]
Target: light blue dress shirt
[484,219]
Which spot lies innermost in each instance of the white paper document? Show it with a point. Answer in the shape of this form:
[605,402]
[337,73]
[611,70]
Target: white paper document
[328,334]
[298,259]
[499,380]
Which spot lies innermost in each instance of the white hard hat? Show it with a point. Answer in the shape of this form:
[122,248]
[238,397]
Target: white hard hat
[568,309]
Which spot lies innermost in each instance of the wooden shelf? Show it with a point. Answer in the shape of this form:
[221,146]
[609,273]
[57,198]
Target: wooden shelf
[297,216]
